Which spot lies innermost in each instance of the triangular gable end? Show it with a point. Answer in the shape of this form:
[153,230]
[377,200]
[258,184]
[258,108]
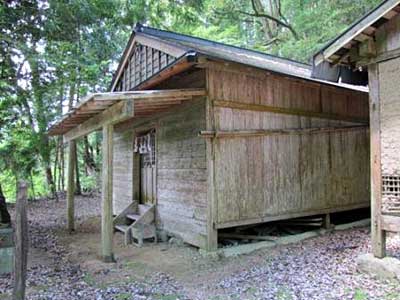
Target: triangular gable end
[145,56]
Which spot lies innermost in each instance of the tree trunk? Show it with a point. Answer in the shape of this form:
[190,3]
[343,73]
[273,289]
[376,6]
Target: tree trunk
[269,29]
[41,115]
[78,189]
[90,165]
[32,185]
[4,215]
[97,144]
[62,166]
[50,181]
[271,18]
[71,96]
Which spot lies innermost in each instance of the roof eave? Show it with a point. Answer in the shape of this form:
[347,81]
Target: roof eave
[354,30]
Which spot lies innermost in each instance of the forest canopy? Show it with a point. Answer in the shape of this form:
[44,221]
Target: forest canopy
[54,52]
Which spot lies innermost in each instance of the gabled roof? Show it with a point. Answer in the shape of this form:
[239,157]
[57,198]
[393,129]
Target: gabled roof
[361,30]
[181,45]
[188,48]
[228,52]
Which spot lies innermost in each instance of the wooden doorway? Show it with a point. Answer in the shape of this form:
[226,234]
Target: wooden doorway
[145,146]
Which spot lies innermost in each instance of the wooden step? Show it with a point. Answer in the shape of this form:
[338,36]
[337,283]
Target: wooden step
[141,232]
[143,208]
[133,217]
[122,228]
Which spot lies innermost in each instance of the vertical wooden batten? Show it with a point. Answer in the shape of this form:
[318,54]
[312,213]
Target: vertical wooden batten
[106,194]
[212,232]
[71,185]
[378,235]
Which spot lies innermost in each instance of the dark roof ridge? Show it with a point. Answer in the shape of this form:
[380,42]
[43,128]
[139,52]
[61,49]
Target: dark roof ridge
[174,35]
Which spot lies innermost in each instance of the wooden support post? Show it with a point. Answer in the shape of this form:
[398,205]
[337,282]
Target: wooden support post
[378,236]
[71,186]
[327,221]
[21,243]
[107,209]
[212,232]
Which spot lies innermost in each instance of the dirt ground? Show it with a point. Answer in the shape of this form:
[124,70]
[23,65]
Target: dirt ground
[66,266]
[182,262]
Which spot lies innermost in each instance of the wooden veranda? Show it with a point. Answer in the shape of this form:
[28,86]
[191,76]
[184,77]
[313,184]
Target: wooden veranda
[103,111]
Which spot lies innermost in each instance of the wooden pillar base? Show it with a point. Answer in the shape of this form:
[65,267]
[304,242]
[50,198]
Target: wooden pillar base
[378,237]
[212,240]
[109,259]
[327,221]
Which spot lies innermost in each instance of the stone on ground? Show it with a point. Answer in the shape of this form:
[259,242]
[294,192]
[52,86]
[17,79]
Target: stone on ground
[6,250]
[385,268]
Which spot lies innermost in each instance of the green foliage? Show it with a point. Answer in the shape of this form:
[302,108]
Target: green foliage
[8,185]
[360,295]
[315,21]
[89,182]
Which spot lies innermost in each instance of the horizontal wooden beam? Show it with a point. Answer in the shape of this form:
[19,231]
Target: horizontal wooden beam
[287,111]
[152,102]
[267,132]
[392,54]
[98,103]
[117,113]
[149,95]
[172,49]
[144,106]
[238,236]
[390,223]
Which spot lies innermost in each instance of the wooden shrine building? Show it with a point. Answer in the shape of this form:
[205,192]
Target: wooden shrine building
[199,136]
[369,53]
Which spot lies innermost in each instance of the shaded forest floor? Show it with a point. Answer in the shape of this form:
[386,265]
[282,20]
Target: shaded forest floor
[64,266]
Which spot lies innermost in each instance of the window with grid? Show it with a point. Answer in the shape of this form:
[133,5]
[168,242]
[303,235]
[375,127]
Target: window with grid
[391,185]
[148,158]
[391,194]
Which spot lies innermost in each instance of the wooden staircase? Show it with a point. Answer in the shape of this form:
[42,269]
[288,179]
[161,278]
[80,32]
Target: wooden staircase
[137,225]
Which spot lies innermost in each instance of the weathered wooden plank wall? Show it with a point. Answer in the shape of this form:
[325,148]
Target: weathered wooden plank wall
[388,70]
[181,169]
[283,176]
[122,171]
[181,166]
[390,116]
